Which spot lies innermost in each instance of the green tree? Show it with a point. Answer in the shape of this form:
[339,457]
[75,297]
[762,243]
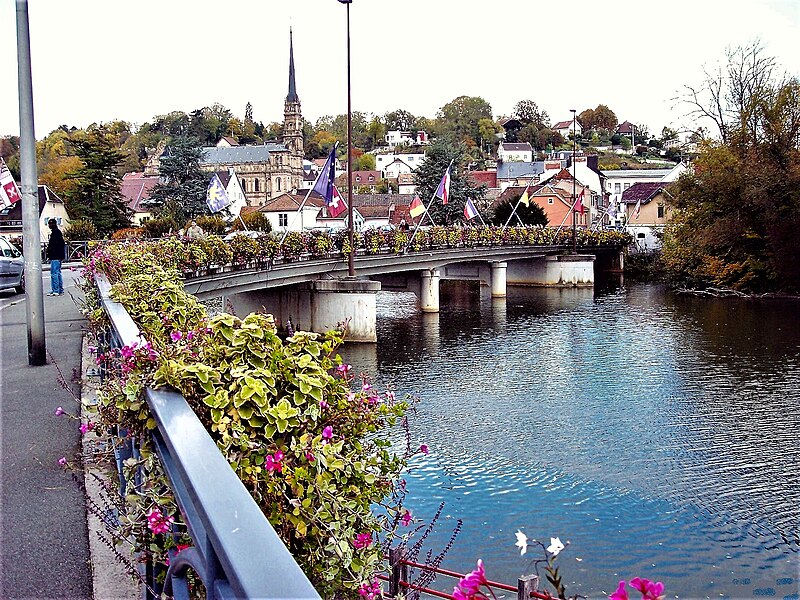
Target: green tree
[400,120]
[181,193]
[95,195]
[459,119]
[430,173]
[528,113]
[529,215]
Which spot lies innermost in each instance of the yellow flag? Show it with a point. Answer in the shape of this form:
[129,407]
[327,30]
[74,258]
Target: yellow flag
[525,200]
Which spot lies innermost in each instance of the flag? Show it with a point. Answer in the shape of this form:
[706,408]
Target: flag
[637,209]
[443,191]
[470,212]
[417,207]
[579,201]
[337,205]
[324,183]
[216,196]
[525,200]
[610,211]
[9,193]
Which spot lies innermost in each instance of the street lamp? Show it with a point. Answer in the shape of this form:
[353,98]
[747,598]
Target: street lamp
[351,268]
[574,194]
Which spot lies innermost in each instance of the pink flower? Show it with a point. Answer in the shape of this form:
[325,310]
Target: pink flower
[322,404]
[158,523]
[621,593]
[344,369]
[86,427]
[366,387]
[649,590]
[405,520]
[390,396]
[470,584]
[59,411]
[327,433]
[363,540]
[176,336]
[190,335]
[370,591]
[423,448]
[273,462]
[310,457]
[351,396]
[62,461]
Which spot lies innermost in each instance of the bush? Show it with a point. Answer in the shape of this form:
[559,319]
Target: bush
[127,233]
[255,221]
[211,224]
[81,230]
[159,227]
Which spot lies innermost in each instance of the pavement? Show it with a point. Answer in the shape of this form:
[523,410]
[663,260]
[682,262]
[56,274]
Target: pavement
[46,549]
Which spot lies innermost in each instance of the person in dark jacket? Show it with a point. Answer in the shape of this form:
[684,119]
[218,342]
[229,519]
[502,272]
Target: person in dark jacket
[56,252]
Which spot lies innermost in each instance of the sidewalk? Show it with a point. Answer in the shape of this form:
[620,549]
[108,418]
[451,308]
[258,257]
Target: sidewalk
[44,541]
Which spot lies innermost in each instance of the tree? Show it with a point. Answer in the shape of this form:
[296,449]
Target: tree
[527,112]
[601,117]
[459,118]
[181,193]
[529,215]
[96,194]
[430,173]
[737,214]
[399,120]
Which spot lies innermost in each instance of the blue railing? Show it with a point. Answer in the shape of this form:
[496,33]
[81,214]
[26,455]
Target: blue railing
[236,552]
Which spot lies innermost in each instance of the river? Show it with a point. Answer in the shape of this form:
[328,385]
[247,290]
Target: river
[657,433]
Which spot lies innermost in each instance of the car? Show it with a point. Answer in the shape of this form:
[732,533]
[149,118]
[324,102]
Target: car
[12,267]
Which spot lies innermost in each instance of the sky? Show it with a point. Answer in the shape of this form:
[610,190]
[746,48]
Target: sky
[95,61]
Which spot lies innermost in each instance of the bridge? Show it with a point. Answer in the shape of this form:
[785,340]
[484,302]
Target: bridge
[316,294]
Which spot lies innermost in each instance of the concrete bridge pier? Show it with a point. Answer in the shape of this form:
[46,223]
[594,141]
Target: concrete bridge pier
[566,270]
[429,290]
[499,277]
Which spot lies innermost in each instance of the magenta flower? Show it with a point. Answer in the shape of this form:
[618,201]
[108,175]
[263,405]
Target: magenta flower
[390,397]
[176,336]
[62,461]
[158,523]
[351,396]
[190,335]
[310,457]
[59,411]
[423,448]
[363,540]
[370,591]
[366,387]
[273,462]
[322,404]
[86,427]
[650,590]
[92,349]
[621,593]
[327,433]
[405,520]
[470,584]
[343,369]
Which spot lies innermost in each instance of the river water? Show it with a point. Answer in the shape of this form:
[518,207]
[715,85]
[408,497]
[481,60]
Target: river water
[657,433]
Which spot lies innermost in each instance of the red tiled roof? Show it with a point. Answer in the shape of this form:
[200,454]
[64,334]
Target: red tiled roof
[292,202]
[487,177]
[625,127]
[562,125]
[135,188]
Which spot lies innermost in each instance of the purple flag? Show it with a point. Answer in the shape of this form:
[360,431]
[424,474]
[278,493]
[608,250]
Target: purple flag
[324,184]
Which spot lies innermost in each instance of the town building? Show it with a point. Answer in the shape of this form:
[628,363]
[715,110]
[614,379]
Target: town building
[647,210]
[50,207]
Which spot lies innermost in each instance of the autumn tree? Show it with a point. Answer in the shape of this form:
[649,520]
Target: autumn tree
[96,195]
[430,173]
[399,120]
[738,211]
[459,118]
[601,117]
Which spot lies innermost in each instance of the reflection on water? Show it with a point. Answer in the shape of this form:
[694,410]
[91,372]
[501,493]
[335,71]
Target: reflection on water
[658,434]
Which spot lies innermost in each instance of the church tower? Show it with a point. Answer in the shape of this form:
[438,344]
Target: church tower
[292,117]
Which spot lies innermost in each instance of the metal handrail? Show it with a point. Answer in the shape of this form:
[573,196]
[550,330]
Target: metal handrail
[236,553]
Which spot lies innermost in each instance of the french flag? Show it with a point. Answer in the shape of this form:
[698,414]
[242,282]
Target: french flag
[470,212]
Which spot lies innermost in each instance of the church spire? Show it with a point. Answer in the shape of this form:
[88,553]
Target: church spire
[292,95]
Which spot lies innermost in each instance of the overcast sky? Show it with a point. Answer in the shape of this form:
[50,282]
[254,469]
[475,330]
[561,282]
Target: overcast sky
[101,60]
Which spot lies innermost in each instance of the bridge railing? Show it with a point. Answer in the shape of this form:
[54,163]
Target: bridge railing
[236,552]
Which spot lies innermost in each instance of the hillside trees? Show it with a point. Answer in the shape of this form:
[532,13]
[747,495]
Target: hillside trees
[737,215]
[459,118]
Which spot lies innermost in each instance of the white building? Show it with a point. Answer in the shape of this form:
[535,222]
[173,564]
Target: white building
[411,160]
[398,138]
[619,180]
[515,152]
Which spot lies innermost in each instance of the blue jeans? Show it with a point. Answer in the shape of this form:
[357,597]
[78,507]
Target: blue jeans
[56,282]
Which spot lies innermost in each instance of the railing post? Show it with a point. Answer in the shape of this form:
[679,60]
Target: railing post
[399,571]
[526,585]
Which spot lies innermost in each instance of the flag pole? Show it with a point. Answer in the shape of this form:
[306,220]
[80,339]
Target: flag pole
[422,218]
[308,193]
[514,210]
[571,210]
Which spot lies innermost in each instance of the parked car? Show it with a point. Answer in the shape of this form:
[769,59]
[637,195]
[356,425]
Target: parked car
[12,267]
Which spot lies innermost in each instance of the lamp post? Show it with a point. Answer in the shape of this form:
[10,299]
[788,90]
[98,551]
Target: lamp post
[351,269]
[574,193]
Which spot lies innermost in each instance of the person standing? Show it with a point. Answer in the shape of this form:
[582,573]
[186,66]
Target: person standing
[195,232]
[56,252]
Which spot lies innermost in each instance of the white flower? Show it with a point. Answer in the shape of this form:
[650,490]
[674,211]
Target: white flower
[555,546]
[522,542]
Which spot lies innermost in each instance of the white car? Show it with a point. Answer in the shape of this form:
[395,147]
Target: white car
[12,267]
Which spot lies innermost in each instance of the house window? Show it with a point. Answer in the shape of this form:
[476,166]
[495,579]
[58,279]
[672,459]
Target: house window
[549,200]
[244,185]
[283,219]
[660,211]
[627,185]
[278,181]
[257,185]
[617,188]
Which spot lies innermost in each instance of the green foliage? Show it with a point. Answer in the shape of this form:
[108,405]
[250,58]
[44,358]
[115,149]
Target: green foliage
[458,119]
[95,194]
[313,454]
[212,224]
[430,173]
[159,227]
[254,220]
[529,215]
[181,193]
[81,229]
